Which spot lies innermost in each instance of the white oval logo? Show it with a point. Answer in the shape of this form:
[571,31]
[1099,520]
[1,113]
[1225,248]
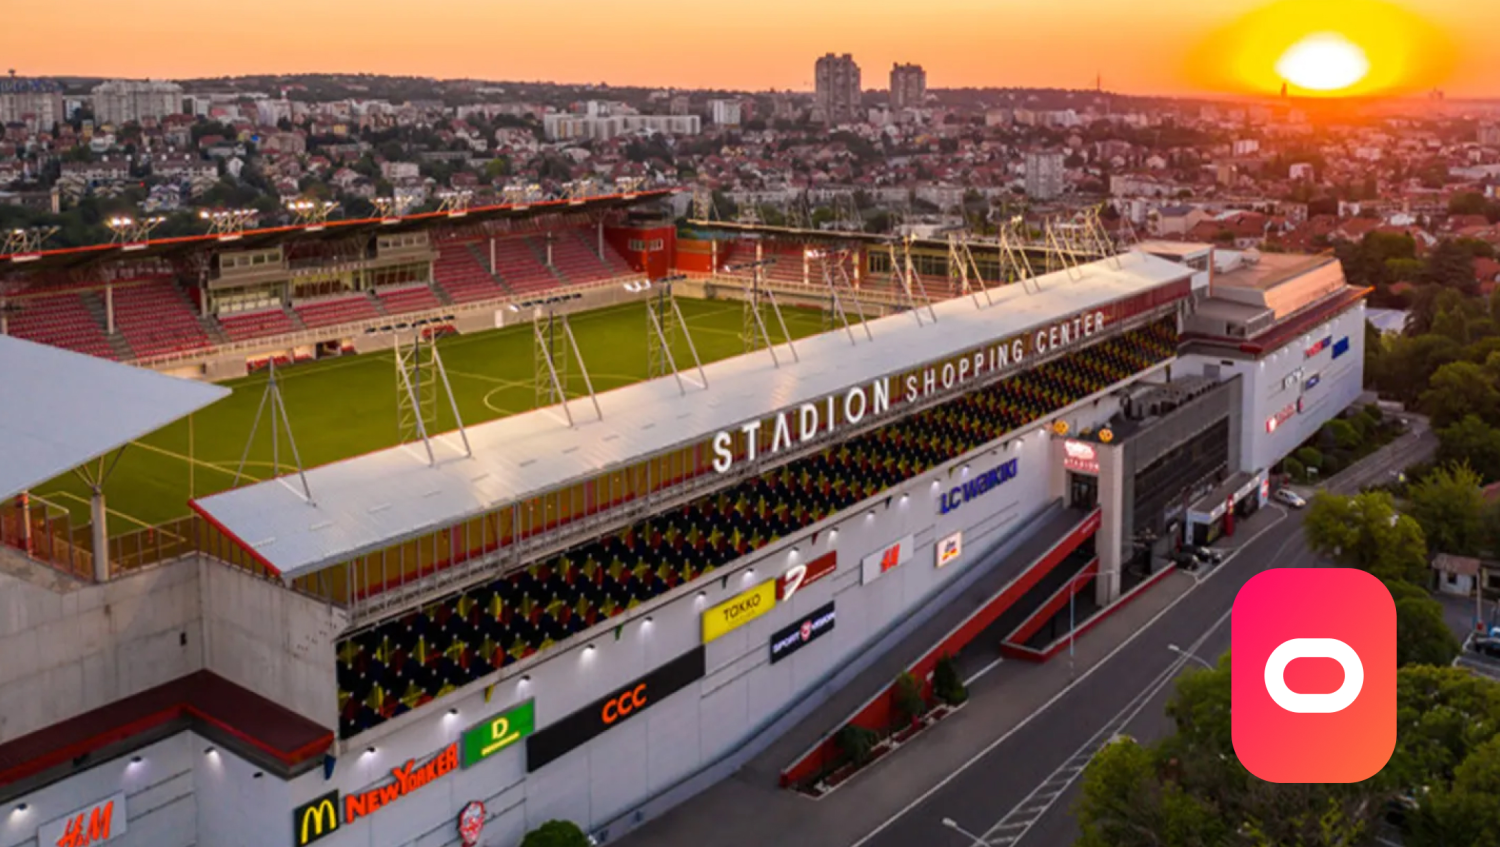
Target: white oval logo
[1314,648]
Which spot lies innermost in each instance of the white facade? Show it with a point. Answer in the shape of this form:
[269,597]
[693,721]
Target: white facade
[1289,393]
[124,101]
[724,112]
[561,126]
[1044,175]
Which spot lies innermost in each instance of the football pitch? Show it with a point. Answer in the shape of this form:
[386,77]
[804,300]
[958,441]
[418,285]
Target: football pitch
[346,406]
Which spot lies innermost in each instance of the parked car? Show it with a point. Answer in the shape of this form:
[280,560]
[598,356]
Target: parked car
[1487,646]
[1289,497]
[1208,555]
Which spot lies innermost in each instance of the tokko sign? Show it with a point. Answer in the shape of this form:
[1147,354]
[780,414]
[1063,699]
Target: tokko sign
[978,486]
[626,702]
[793,426]
[739,610]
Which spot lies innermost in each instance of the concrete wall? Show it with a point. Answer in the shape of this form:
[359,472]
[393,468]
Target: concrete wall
[1273,386]
[64,654]
[161,809]
[272,641]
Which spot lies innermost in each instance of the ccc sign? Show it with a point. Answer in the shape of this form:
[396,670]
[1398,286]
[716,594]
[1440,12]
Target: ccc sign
[315,819]
[624,703]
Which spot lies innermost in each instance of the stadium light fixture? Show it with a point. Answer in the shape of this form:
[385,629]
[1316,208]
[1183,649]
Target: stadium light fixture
[25,240]
[132,232]
[228,224]
[311,213]
[455,203]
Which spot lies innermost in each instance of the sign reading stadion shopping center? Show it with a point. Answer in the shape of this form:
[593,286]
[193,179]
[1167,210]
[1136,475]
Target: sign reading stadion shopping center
[582,726]
[792,426]
[810,627]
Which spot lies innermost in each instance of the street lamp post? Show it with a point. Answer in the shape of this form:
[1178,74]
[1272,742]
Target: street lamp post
[1189,655]
[953,825]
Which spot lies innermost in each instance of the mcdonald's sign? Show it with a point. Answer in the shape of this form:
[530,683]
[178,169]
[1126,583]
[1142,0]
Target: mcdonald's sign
[315,818]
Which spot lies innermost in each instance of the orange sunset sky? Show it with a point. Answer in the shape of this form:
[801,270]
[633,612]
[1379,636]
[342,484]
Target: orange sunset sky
[1140,46]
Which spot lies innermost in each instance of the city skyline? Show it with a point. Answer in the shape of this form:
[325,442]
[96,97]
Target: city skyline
[1179,49]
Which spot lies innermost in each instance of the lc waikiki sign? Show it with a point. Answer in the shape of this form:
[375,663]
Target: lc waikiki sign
[795,425]
[978,486]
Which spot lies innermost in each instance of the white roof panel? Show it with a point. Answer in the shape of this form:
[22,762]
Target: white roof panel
[370,501]
[60,409]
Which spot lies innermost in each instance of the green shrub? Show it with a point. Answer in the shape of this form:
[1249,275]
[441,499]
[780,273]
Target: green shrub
[946,683]
[856,742]
[909,702]
[1293,468]
[1344,434]
[1310,457]
[556,834]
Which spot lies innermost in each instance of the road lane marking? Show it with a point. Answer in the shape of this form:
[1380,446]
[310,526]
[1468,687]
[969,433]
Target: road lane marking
[989,748]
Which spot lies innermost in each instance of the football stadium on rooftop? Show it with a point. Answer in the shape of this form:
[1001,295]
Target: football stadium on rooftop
[564,509]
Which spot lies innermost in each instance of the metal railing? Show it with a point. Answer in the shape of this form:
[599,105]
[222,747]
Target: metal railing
[44,532]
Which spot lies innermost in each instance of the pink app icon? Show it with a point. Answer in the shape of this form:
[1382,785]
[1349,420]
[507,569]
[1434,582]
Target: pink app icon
[1313,669]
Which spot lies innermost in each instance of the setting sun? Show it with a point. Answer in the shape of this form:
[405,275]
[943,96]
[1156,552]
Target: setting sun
[1325,61]
[1335,48]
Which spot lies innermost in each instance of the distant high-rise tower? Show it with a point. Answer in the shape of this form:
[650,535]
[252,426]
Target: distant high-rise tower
[1044,174]
[837,88]
[908,86]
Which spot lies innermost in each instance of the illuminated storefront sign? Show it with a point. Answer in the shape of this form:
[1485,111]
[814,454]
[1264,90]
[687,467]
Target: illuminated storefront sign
[1341,347]
[404,780]
[1291,379]
[978,486]
[950,548]
[799,576]
[1322,344]
[1312,382]
[552,742]
[94,824]
[790,427]
[790,639]
[1281,417]
[495,734]
[892,556]
[471,823]
[1081,456]
[315,818]
[739,610]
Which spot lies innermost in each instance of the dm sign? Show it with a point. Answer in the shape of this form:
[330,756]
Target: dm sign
[979,485]
[738,611]
[498,732]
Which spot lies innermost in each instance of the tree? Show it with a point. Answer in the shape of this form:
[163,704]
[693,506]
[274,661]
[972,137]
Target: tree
[1124,803]
[1467,203]
[1459,389]
[556,833]
[1366,532]
[1344,434]
[908,698]
[1450,508]
[1474,442]
[1451,266]
[1422,635]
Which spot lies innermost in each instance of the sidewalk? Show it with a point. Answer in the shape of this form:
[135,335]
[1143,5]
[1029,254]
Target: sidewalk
[749,810]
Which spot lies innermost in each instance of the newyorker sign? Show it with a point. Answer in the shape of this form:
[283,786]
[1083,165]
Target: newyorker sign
[793,426]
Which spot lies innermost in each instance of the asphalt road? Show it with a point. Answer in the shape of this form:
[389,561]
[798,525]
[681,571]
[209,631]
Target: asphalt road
[1021,790]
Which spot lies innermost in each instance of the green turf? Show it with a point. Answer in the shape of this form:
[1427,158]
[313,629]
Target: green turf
[346,406]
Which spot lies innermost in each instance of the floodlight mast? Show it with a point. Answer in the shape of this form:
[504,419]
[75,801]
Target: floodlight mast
[25,241]
[132,231]
[228,224]
[310,212]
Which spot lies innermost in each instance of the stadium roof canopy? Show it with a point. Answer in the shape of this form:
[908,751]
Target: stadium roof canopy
[378,499]
[76,257]
[62,409]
